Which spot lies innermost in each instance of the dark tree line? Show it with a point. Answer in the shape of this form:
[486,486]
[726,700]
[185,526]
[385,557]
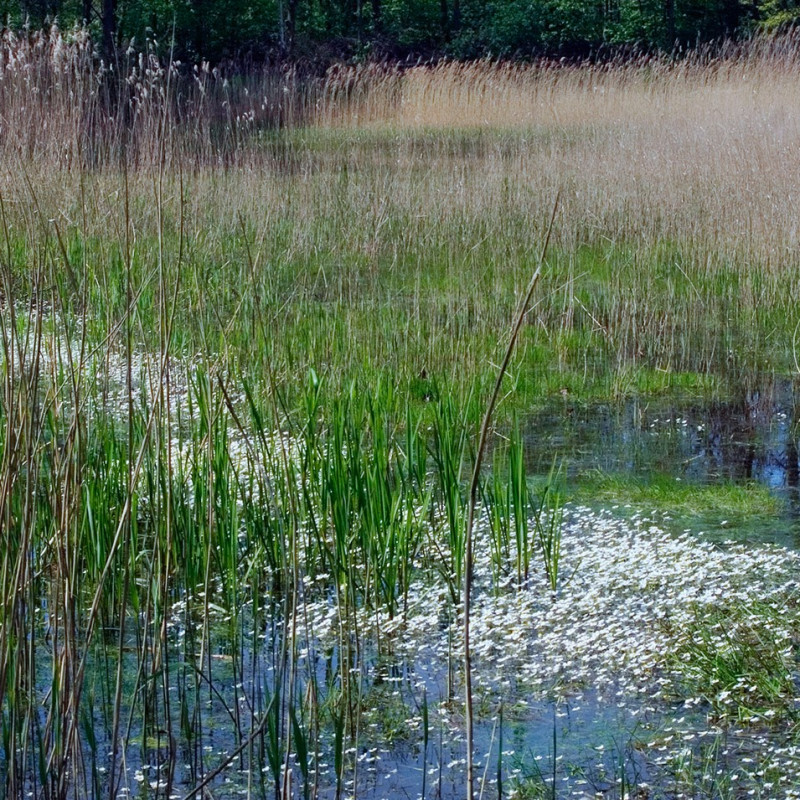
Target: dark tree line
[327,29]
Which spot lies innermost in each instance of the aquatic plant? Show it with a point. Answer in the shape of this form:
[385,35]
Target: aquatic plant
[740,659]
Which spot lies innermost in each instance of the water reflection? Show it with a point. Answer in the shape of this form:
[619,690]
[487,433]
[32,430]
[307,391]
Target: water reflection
[754,436]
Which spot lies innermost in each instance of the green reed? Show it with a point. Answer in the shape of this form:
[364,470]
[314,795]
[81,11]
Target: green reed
[450,452]
[547,519]
[525,524]
[519,496]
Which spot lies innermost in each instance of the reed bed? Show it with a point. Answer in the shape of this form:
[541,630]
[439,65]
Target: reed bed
[249,325]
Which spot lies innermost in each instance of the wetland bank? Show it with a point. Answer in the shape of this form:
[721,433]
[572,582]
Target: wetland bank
[244,370]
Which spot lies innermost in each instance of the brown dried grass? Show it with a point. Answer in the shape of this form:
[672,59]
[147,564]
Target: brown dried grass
[699,152]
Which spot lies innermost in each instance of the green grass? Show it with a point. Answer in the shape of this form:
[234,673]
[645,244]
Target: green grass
[726,505]
[354,298]
[741,660]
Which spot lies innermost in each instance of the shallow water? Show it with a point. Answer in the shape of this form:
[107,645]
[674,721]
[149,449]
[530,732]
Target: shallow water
[752,437]
[586,696]
[585,693]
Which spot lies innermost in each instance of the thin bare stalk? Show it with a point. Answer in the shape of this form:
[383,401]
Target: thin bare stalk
[473,501]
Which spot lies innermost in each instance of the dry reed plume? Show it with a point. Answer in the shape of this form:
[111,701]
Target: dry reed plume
[704,148]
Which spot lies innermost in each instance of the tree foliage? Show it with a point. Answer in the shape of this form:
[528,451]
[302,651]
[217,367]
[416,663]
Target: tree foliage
[326,29]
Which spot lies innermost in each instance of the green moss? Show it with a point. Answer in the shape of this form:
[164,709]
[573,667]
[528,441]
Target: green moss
[729,503]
